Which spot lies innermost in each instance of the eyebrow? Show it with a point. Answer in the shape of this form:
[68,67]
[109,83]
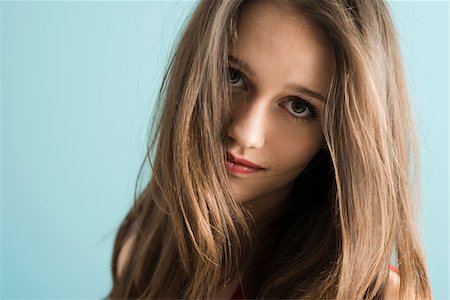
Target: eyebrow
[245,66]
[303,90]
[292,86]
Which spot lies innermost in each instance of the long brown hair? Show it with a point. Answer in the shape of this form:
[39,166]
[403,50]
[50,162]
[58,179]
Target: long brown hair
[352,208]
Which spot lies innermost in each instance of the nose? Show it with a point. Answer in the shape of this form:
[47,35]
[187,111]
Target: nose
[248,125]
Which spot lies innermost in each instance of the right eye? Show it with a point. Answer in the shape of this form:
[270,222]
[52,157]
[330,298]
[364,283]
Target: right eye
[235,76]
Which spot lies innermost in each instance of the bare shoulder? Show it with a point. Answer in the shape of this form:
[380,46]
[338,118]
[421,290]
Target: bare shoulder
[392,291]
[124,253]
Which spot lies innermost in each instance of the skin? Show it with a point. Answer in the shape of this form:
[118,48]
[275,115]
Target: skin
[281,46]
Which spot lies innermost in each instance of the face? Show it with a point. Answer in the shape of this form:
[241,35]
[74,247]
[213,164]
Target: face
[280,72]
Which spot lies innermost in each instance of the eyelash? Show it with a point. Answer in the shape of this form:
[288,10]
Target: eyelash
[314,112]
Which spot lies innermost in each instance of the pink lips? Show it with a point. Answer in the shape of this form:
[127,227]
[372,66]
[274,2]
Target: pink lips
[241,166]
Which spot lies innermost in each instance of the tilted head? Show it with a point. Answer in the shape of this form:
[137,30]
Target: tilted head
[314,93]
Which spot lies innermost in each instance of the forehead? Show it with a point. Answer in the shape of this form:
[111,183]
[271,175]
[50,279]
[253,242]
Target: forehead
[265,14]
[285,41]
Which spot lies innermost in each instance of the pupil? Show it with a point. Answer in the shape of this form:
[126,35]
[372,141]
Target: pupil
[234,78]
[298,106]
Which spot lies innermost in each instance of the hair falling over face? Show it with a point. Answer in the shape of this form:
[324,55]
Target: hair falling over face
[354,206]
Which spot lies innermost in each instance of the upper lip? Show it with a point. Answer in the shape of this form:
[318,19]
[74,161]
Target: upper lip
[243,162]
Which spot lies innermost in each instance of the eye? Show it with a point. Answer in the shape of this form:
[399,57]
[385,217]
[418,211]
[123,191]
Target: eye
[235,76]
[301,109]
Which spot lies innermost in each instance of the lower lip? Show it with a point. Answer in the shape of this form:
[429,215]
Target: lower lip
[240,169]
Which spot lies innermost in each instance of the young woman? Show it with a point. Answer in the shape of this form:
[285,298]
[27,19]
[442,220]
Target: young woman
[282,162]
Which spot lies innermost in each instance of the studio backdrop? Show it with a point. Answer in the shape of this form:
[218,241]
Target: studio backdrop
[78,84]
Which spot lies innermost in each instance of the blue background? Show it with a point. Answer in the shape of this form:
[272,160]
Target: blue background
[77,85]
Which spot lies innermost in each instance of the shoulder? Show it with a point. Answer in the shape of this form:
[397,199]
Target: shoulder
[392,291]
[124,253]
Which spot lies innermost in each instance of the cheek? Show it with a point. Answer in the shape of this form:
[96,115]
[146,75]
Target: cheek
[295,147]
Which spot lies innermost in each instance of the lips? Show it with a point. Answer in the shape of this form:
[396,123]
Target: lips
[243,162]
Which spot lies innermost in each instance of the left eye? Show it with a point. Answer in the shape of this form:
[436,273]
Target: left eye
[298,107]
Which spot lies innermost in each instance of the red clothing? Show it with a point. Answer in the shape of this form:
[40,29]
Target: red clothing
[394,268]
[239,293]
